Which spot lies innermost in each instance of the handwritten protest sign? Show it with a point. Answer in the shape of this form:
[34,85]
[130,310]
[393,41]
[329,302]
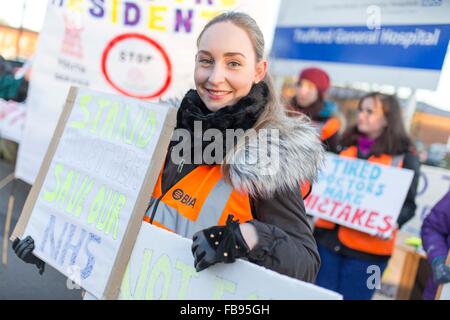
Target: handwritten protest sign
[86,207]
[162,267]
[434,183]
[138,48]
[359,194]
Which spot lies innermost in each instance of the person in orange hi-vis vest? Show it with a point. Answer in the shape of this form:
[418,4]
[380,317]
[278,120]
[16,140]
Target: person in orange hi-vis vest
[236,210]
[311,88]
[347,255]
[229,204]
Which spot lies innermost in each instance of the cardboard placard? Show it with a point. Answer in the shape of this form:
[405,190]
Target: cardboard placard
[359,194]
[162,267]
[86,207]
[138,48]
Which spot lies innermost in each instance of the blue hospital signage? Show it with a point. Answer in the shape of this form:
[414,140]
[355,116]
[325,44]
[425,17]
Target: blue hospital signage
[404,46]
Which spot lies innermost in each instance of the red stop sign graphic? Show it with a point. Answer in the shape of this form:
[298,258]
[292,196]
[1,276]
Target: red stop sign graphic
[152,43]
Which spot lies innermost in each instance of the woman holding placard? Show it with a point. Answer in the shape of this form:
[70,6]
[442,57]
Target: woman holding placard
[232,208]
[212,190]
[349,257]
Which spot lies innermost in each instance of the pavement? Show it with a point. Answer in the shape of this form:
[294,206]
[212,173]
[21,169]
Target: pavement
[19,280]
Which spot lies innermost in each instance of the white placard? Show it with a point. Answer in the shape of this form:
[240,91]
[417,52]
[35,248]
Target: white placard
[359,194]
[434,183]
[139,48]
[162,267]
[95,184]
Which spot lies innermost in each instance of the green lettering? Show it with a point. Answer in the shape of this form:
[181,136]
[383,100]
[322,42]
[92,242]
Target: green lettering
[135,126]
[96,205]
[187,273]
[102,103]
[50,196]
[150,120]
[221,286]
[114,219]
[106,213]
[142,280]
[108,125]
[71,203]
[122,131]
[86,188]
[252,296]
[161,268]
[84,100]
[125,290]
[64,191]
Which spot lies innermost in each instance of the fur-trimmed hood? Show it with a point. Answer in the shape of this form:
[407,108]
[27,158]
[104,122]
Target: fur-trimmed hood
[295,157]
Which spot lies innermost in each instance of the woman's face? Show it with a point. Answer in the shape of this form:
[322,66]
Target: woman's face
[306,93]
[226,66]
[371,119]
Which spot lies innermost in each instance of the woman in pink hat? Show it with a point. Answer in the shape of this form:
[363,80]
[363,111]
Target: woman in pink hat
[309,99]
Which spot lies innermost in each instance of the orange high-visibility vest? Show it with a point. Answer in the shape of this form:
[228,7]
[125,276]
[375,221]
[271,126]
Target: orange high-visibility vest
[201,199]
[328,128]
[358,240]
[305,189]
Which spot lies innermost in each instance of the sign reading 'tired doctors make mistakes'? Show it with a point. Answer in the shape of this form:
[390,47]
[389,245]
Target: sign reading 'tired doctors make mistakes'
[86,207]
[359,194]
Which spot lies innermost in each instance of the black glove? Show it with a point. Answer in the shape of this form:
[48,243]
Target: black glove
[218,244]
[24,250]
[441,272]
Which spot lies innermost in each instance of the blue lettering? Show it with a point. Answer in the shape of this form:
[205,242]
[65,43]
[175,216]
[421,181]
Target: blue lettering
[75,248]
[329,192]
[358,198]
[376,173]
[380,190]
[134,19]
[50,233]
[86,272]
[97,10]
[351,168]
[182,21]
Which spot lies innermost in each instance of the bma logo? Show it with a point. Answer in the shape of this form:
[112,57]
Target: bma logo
[184,198]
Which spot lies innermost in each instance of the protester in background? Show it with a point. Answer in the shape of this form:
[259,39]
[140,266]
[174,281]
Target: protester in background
[239,211]
[379,136]
[309,99]
[2,65]
[436,242]
[23,74]
[9,85]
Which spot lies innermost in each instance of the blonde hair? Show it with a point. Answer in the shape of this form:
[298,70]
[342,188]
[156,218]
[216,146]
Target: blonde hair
[274,112]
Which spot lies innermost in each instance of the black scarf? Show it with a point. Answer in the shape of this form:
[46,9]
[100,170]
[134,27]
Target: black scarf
[242,115]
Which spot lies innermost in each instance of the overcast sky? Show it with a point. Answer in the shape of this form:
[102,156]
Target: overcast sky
[11,14]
